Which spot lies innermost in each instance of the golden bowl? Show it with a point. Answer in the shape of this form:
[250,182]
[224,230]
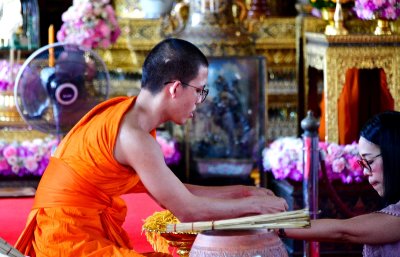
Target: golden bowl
[181,241]
[155,230]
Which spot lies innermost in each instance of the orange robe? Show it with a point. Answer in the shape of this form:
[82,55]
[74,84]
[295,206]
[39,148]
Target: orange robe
[77,209]
[357,103]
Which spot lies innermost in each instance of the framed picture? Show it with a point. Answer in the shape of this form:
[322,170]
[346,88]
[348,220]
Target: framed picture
[226,136]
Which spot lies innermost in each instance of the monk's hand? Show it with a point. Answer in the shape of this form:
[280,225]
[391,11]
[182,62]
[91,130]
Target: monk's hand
[256,191]
[273,204]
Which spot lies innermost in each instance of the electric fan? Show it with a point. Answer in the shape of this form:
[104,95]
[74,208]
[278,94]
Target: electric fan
[58,84]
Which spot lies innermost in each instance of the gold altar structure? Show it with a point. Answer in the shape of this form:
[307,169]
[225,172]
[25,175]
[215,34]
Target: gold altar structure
[275,39]
[335,54]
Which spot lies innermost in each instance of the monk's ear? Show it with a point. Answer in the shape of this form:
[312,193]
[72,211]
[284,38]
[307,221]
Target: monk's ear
[172,88]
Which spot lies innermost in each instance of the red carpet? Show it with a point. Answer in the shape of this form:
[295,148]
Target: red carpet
[14,212]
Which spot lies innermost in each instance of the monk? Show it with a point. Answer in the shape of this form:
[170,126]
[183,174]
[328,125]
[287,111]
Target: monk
[112,151]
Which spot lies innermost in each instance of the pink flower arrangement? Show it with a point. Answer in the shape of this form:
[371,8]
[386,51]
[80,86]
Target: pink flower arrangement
[284,158]
[7,75]
[31,157]
[26,158]
[169,147]
[91,23]
[372,9]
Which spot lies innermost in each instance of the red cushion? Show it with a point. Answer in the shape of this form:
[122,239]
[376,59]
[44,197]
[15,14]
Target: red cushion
[14,212]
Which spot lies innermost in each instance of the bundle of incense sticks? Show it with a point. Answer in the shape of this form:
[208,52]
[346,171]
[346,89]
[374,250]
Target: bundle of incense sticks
[9,250]
[289,219]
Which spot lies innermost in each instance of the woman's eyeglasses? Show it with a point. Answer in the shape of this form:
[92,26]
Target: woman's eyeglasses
[365,164]
[201,92]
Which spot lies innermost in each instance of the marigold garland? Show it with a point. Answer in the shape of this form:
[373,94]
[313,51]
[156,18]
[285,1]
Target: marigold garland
[154,225]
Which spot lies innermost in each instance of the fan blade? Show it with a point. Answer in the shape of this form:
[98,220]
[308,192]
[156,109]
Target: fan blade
[33,94]
[67,116]
[53,99]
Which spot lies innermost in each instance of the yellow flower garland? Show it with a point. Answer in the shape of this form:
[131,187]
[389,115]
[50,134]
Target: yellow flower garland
[154,225]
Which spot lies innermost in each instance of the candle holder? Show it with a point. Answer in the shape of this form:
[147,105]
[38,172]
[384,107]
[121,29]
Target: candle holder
[383,27]
[336,26]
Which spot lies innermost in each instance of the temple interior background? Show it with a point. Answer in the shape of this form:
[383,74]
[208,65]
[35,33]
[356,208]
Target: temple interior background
[278,60]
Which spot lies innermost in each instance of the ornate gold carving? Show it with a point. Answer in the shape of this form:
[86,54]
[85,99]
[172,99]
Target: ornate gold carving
[313,24]
[127,8]
[354,26]
[19,135]
[396,26]
[275,39]
[352,39]
[315,57]
[274,32]
[279,57]
[9,115]
[357,26]
[339,53]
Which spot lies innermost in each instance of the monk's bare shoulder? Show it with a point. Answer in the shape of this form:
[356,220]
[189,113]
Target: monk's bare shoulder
[131,141]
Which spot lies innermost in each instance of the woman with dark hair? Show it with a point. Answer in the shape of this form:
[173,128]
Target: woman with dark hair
[379,148]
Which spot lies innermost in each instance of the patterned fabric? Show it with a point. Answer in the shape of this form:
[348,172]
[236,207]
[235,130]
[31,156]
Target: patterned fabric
[385,250]
[78,210]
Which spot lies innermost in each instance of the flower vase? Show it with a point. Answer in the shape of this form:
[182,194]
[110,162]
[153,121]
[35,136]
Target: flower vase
[214,28]
[383,27]
[155,9]
[327,15]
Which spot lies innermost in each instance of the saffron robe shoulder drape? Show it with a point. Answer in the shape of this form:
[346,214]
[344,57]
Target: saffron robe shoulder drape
[78,210]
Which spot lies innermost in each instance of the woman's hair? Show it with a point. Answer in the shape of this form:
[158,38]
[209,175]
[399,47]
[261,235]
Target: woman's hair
[171,59]
[384,131]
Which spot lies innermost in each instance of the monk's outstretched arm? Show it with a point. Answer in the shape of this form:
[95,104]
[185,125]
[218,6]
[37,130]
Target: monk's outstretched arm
[140,151]
[234,191]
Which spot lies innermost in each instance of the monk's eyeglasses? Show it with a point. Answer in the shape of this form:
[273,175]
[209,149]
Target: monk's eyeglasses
[201,92]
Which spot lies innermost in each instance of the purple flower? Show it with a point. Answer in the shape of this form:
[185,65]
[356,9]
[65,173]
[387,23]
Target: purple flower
[30,163]
[338,165]
[8,75]
[383,9]
[284,159]
[4,164]
[169,148]
[27,157]
[10,151]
